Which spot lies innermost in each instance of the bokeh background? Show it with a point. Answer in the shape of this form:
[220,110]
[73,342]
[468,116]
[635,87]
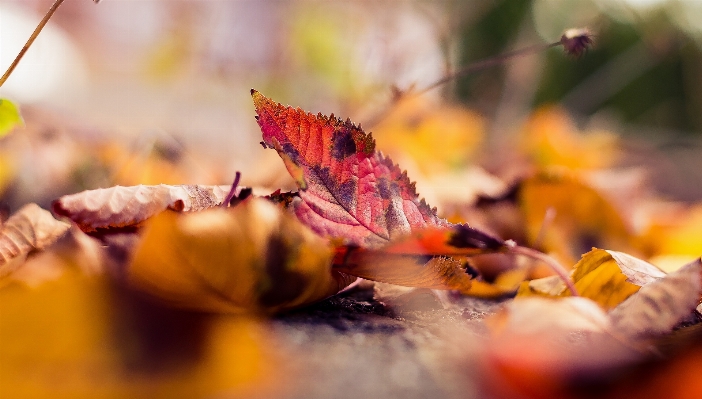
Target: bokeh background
[557,153]
[170,80]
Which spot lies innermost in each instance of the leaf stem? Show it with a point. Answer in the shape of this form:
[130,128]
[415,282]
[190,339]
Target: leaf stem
[232,191]
[551,262]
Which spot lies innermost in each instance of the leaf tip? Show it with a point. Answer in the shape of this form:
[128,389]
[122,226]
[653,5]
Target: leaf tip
[259,99]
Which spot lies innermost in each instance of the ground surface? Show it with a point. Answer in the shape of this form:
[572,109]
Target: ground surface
[355,346]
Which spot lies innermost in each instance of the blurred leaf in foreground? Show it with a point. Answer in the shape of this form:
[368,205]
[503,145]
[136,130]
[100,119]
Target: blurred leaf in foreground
[9,117]
[250,258]
[80,336]
[545,347]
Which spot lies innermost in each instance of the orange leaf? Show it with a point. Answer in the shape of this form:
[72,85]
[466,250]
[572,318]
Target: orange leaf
[421,259]
[251,258]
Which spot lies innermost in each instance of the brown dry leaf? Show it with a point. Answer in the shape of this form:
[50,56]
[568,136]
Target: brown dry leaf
[30,228]
[606,277]
[660,305]
[437,272]
[119,207]
[79,336]
[426,258]
[251,258]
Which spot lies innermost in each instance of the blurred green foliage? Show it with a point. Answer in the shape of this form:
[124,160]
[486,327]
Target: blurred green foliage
[644,71]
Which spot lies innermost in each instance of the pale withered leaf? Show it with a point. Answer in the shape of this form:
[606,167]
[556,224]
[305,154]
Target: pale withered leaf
[30,228]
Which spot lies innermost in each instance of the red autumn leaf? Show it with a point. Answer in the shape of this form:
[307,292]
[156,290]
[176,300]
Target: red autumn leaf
[120,207]
[347,189]
[350,191]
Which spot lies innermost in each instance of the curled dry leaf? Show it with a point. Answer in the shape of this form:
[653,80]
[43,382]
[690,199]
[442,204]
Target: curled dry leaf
[607,277]
[120,207]
[30,228]
[660,305]
[251,258]
[427,258]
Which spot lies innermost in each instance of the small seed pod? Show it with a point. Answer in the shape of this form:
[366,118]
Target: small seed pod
[576,42]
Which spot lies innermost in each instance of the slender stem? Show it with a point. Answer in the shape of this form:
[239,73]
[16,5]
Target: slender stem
[489,62]
[38,29]
[232,191]
[470,68]
[552,263]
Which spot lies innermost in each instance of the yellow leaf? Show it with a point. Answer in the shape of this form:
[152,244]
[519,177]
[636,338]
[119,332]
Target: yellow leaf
[506,283]
[550,286]
[7,172]
[251,258]
[9,117]
[78,336]
[676,234]
[606,277]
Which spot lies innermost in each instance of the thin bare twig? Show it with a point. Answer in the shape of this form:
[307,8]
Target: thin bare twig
[34,35]
[487,63]
[575,42]
[31,39]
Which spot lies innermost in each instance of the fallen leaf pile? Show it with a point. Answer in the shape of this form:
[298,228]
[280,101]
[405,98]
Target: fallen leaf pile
[201,253]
